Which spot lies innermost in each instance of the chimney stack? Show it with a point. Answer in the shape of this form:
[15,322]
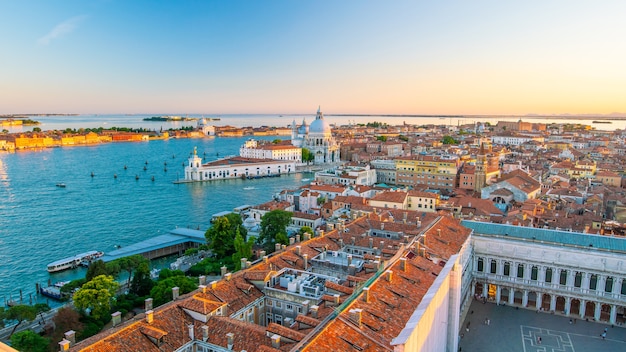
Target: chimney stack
[371,242]
[305,307]
[292,240]
[306,261]
[349,257]
[439,232]
[321,233]
[116,318]
[355,316]
[265,259]
[314,309]
[205,333]
[366,294]
[275,341]
[213,285]
[277,247]
[243,263]
[382,245]
[224,270]
[191,332]
[283,247]
[228,276]
[389,275]
[71,337]
[261,254]
[353,240]
[231,340]
[298,249]
[149,316]
[202,280]
[148,304]
[64,345]
[202,288]
[403,264]
[341,242]
[298,238]
[175,293]
[336,299]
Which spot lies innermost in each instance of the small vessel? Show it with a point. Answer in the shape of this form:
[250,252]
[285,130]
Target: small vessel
[601,122]
[61,185]
[305,180]
[53,291]
[125,167]
[73,262]
[248,188]
[136,177]
[152,179]
[92,174]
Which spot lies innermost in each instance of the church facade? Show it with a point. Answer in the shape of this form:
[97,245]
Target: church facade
[317,138]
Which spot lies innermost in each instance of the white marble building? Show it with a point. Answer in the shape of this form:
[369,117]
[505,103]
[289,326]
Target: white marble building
[317,138]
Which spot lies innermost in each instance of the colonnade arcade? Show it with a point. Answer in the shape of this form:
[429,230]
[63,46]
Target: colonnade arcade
[599,296]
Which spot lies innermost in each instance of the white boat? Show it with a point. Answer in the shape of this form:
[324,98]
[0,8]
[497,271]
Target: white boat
[248,188]
[73,262]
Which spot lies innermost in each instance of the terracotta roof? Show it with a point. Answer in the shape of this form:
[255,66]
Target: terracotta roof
[285,332]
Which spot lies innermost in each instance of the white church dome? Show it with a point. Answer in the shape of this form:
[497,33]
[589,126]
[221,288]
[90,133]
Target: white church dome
[319,126]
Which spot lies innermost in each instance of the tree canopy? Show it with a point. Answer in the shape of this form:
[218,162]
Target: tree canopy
[274,229]
[161,293]
[307,156]
[221,236]
[305,229]
[243,249]
[449,140]
[29,341]
[97,295]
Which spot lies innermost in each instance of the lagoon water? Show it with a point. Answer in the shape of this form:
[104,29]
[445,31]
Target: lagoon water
[40,223]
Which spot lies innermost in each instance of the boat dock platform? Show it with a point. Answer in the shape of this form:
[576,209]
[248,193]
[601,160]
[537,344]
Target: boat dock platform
[176,241]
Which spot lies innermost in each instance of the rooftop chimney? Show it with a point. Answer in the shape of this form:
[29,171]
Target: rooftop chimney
[349,258]
[64,345]
[224,270]
[403,264]
[382,245]
[389,275]
[205,333]
[353,240]
[305,307]
[306,261]
[202,288]
[355,316]
[314,309]
[283,247]
[288,321]
[292,240]
[275,341]
[298,249]
[321,233]
[116,318]
[202,280]
[175,293]
[307,236]
[297,237]
[231,340]
[265,259]
[70,336]
[341,242]
[213,285]
[148,304]
[277,247]
[228,276]
[191,332]
[371,242]
[439,232]
[243,263]
[382,225]
[149,316]
[336,299]
[261,254]
[366,294]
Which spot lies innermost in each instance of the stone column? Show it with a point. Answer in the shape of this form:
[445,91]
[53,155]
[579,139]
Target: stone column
[596,313]
[552,302]
[525,298]
[613,318]
[511,296]
[498,289]
[568,305]
[601,283]
[539,300]
[541,276]
[585,284]
[583,306]
[500,268]
[571,274]
[527,271]
[617,286]
[473,288]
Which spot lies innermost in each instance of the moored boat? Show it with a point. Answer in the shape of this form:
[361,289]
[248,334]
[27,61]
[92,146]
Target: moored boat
[53,291]
[73,262]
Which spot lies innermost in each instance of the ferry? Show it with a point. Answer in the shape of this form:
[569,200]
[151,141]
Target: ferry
[73,262]
[53,291]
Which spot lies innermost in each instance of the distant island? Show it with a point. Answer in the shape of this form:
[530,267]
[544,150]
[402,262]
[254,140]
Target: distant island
[170,118]
[18,122]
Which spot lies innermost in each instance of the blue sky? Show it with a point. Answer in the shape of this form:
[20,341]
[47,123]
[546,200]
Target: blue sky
[397,57]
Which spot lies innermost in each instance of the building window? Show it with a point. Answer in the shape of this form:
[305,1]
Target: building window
[481,265]
[520,270]
[593,282]
[623,287]
[493,266]
[534,272]
[608,286]
[289,307]
[563,277]
[578,279]
[549,275]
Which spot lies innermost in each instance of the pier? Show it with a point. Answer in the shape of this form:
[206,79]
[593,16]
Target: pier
[176,241]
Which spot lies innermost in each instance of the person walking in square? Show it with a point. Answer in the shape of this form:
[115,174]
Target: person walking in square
[603,335]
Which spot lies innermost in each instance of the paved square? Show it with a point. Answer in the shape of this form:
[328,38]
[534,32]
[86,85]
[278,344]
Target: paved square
[517,330]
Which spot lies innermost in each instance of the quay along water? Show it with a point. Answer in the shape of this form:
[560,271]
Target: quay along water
[41,223]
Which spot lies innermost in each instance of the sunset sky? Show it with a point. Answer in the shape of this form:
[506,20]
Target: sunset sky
[368,57]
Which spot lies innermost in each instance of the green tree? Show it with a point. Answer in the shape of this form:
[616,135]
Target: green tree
[221,235]
[97,295]
[3,315]
[36,129]
[449,140]
[307,156]
[141,283]
[21,312]
[131,263]
[96,268]
[382,138]
[162,291]
[243,249]
[403,138]
[305,229]
[277,141]
[29,341]
[167,273]
[274,229]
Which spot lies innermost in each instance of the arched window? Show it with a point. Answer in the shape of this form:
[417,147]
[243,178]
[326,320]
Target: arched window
[507,269]
[608,286]
[493,266]
[593,282]
[563,277]
[578,279]
[481,265]
[534,272]
[520,270]
[549,275]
